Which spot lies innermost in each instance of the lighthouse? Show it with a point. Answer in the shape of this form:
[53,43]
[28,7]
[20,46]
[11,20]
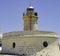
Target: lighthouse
[31,41]
[30,19]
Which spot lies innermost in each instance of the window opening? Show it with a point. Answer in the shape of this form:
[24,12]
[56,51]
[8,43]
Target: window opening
[14,44]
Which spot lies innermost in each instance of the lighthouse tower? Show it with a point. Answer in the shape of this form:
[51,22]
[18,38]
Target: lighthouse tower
[30,19]
[30,42]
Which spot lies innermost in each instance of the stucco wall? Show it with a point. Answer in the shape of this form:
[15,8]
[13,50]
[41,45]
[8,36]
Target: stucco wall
[30,45]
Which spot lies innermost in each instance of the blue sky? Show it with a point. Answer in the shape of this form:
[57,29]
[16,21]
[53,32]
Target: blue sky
[11,12]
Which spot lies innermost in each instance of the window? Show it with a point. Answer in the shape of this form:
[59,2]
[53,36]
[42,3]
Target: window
[14,44]
[0,44]
[35,14]
[45,44]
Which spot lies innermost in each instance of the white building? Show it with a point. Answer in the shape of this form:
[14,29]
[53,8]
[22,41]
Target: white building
[30,42]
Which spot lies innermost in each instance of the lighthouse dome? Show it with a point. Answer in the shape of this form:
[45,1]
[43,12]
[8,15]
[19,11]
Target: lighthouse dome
[30,8]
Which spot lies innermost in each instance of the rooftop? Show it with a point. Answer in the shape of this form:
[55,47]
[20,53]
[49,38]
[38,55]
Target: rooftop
[31,33]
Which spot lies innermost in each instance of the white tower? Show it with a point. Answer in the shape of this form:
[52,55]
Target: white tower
[30,19]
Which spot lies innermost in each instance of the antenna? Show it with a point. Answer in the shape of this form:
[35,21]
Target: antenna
[30,3]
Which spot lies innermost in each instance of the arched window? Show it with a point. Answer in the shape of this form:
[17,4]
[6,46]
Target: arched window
[14,44]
